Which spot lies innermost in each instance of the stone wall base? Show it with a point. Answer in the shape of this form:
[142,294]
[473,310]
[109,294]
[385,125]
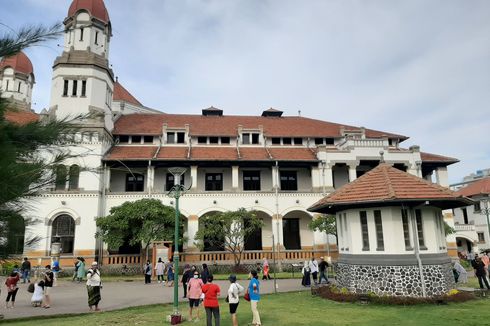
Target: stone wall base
[395,280]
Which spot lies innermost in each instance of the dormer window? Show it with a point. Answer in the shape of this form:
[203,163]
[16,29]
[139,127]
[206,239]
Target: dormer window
[136,139]
[298,141]
[175,137]
[286,141]
[202,140]
[148,139]
[276,141]
[213,140]
[250,138]
[225,140]
[123,139]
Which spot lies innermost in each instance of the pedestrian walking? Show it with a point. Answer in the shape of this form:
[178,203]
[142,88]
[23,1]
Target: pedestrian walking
[313,264]
[265,269]
[48,278]
[170,273]
[148,271]
[94,285]
[480,272]
[56,270]
[323,268]
[75,271]
[80,269]
[194,291]
[160,270]
[186,276]
[11,284]
[306,281]
[233,298]
[253,291]
[211,305]
[26,270]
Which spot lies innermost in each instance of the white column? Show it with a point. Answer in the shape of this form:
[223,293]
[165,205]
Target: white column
[277,229]
[194,177]
[275,175]
[442,177]
[352,172]
[107,183]
[316,180]
[192,227]
[150,176]
[234,177]
[328,176]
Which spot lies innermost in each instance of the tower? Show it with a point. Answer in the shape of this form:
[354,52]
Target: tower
[17,79]
[83,81]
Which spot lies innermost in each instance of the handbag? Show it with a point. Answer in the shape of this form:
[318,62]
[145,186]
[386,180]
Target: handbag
[30,288]
[247,296]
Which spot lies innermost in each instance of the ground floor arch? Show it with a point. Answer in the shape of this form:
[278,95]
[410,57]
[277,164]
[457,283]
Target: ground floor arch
[295,232]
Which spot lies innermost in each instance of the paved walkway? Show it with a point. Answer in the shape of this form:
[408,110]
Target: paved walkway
[69,298]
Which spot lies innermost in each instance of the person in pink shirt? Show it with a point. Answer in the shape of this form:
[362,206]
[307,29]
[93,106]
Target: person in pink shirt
[12,288]
[485,261]
[194,292]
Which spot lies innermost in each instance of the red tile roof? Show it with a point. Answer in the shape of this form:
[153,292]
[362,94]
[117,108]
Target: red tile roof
[429,158]
[254,154]
[131,152]
[293,154]
[96,8]
[384,185]
[122,94]
[146,124]
[172,153]
[214,153]
[480,187]
[19,62]
[21,117]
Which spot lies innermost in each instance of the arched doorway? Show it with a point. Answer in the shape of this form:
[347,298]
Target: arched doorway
[295,231]
[217,242]
[63,231]
[254,241]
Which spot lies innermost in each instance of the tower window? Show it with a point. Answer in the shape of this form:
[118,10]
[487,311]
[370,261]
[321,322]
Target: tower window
[18,88]
[97,38]
[81,34]
[84,87]
[65,88]
[75,85]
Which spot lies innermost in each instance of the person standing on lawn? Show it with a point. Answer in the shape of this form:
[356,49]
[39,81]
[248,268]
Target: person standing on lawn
[254,293]
[233,298]
[322,267]
[160,270]
[211,293]
[306,281]
[194,291]
[26,271]
[314,269]
[11,283]
[480,272]
[148,270]
[93,286]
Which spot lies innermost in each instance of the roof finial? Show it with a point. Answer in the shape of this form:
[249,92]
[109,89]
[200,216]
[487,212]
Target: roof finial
[117,78]
[382,160]
[299,113]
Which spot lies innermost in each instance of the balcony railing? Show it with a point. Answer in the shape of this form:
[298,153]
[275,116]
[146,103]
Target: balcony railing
[351,143]
[123,259]
[464,227]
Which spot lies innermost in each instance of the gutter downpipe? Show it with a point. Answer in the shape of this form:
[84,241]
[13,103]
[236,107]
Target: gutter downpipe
[416,246]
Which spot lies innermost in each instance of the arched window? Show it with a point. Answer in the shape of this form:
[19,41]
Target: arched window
[60,177]
[74,176]
[63,231]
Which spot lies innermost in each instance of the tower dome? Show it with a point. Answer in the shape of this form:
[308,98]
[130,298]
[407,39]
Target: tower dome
[20,63]
[96,9]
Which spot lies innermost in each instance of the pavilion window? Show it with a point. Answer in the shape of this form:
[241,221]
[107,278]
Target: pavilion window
[123,138]
[60,182]
[379,230]
[406,230]
[251,180]
[318,141]
[364,230]
[134,182]
[181,138]
[255,138]
[170,137]
[329,141]
[420,229]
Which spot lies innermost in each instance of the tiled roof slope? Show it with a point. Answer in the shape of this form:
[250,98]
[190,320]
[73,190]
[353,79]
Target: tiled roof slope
[122,94]
[386,184]
[131,153]
[151,124]
[95,7]
[21,117]
[479,187]
[428,157]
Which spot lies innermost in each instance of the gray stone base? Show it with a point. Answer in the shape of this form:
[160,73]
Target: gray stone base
[395,280]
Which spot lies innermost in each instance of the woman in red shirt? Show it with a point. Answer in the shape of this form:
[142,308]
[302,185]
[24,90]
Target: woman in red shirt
[211,293]
[12,288]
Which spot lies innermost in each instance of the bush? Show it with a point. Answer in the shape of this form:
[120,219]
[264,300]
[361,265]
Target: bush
[343,295]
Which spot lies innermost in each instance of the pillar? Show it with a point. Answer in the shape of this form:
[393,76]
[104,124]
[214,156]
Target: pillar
[352,172]
[107,181]
[316,179]
[442,177]
[328,176]
[150,178]
[277,229]
[275,177]
[192,227]
[194,177]
[234,177]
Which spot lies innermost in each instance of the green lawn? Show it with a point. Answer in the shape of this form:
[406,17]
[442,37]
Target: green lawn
[296,308]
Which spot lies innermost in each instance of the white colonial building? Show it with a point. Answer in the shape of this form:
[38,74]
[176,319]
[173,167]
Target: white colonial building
[278,165]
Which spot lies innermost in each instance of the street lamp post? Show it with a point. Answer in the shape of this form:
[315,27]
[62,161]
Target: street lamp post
[176,191]
[486,211]
[274,260]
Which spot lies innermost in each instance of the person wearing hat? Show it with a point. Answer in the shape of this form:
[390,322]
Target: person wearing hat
[233,297]
[322,266]
[93,286]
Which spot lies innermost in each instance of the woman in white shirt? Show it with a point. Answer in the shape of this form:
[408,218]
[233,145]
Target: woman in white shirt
[160,269]
[233,298]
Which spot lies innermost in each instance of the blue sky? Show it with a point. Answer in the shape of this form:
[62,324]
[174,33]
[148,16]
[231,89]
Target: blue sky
[418,68]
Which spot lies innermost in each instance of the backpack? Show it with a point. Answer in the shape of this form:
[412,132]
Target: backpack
[30,288]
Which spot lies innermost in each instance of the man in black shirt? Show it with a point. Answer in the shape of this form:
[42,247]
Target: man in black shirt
[323,270]
[26,270]
[48,285]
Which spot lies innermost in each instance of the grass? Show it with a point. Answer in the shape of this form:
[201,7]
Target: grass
[291,309]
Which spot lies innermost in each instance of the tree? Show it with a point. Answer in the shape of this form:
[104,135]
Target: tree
[228,229]
[142,222]
[324,223]
[23,169]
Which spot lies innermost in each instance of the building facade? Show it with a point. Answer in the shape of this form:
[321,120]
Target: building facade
[277,165]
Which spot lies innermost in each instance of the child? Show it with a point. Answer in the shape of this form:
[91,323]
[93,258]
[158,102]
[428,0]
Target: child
[37,296]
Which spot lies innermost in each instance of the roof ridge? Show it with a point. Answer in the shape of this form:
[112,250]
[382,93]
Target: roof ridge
[391,190]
